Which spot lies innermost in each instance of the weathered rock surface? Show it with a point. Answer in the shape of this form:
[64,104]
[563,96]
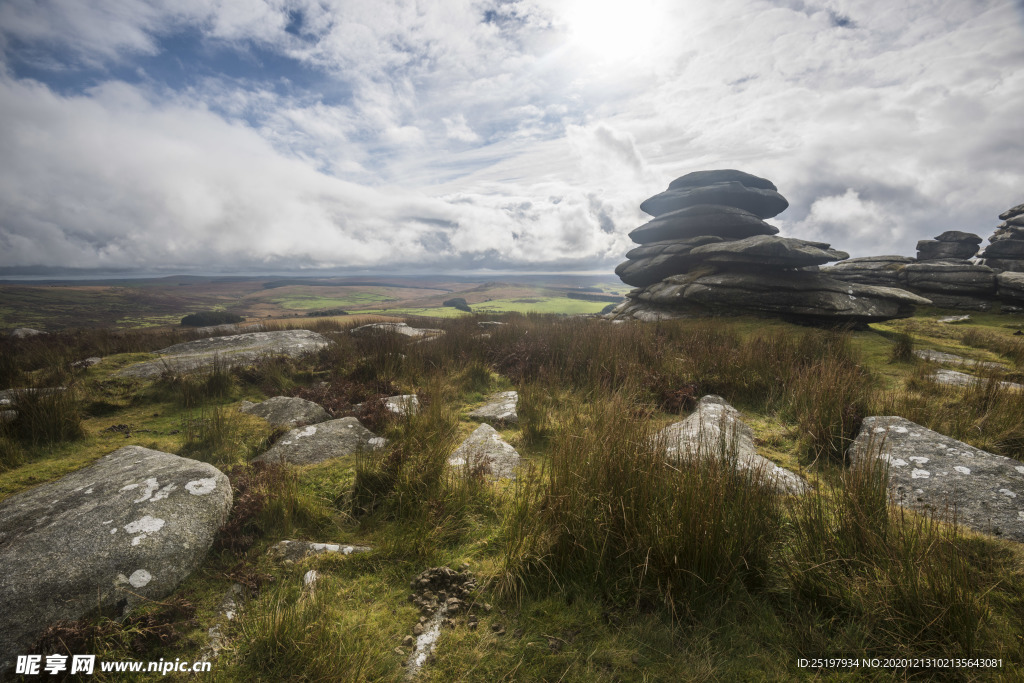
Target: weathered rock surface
[702,220]
[947,277]
[953,359]
[709,251]
[287,411]
[9,397]
[959,236]
[881,271]
[87,362]
[1010,286]
[406,404]
[316,443]
[1005,249]
[126,529]
[798,294]
[500,409]
[715,430]
[769,250]
[296,551]
[956,378]
[1012,212]
[395,328]
[23,332]
[1007,232]
[239,349]
[1005,265]
[931,250]
[486,450]
[760,202]
[939,475]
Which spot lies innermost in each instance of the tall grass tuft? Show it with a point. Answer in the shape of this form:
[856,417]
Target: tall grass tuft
[902,349]
[827,399]
[46,418]
[613,513]
[902,577]
[221,436]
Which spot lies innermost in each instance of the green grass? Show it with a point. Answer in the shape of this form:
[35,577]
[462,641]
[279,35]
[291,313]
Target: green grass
[309,302]
[601,561]
[540,304]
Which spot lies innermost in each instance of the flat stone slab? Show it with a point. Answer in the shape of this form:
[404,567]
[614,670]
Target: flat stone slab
[954,319]
[486,449]
[295,551]
[715,430]
[238,349]
[956,378]
[500,409]
[953,359]
[395,328]
[287,411]
[24,332]
[937,474]
[406,404]
[316,443]
[126,529]
[9,397]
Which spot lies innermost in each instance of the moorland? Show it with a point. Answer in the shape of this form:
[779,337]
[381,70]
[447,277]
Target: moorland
[599,561]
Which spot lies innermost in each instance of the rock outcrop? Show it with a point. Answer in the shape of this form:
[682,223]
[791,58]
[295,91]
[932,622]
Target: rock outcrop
[952,283]
[1005,251]
[395,328]
[709,251]
[485,450]
[316,443]
[499,410]
[287,411]
[126,529]
[715,430]
[952,244]
[238,349]
[939,475]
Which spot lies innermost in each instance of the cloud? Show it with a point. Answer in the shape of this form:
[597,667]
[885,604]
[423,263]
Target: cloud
[478,133]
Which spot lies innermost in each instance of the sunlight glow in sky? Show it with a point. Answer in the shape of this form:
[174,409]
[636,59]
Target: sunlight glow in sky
[451,135]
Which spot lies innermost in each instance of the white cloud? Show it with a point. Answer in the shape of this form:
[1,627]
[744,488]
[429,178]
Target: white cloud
[424,134]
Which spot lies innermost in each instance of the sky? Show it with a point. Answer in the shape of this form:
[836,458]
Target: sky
[316,136]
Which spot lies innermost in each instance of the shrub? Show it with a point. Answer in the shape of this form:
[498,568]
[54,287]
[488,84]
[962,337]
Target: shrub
[46,417]
[613,513]
[210,318]
[459,303]
[902,349]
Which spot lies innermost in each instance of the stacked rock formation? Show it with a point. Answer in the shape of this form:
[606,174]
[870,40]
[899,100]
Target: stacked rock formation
[709,250]
[1006,249]
[942,273]
[951,244]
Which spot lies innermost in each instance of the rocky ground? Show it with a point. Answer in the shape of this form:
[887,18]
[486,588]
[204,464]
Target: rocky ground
[545,499]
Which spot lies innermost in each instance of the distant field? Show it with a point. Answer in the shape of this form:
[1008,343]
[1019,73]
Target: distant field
[157,302]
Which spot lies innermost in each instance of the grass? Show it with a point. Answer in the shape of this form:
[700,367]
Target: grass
[601,561]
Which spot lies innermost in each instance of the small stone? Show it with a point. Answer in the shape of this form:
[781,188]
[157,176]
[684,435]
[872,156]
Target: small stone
[417,630]
[408,641]
[498,628]
[399,651]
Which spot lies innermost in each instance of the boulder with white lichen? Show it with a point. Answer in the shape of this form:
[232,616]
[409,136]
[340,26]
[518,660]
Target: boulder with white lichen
[124,530]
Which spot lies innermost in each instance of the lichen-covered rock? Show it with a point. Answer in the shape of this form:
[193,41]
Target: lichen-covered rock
[500,409]
[955,378]
[939,475]
[954,359]
[316,443]
[485,449]
[287,411]
[715,430]
[126,529]
[395,328]
[296,551]
[238,349]
[406,404]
